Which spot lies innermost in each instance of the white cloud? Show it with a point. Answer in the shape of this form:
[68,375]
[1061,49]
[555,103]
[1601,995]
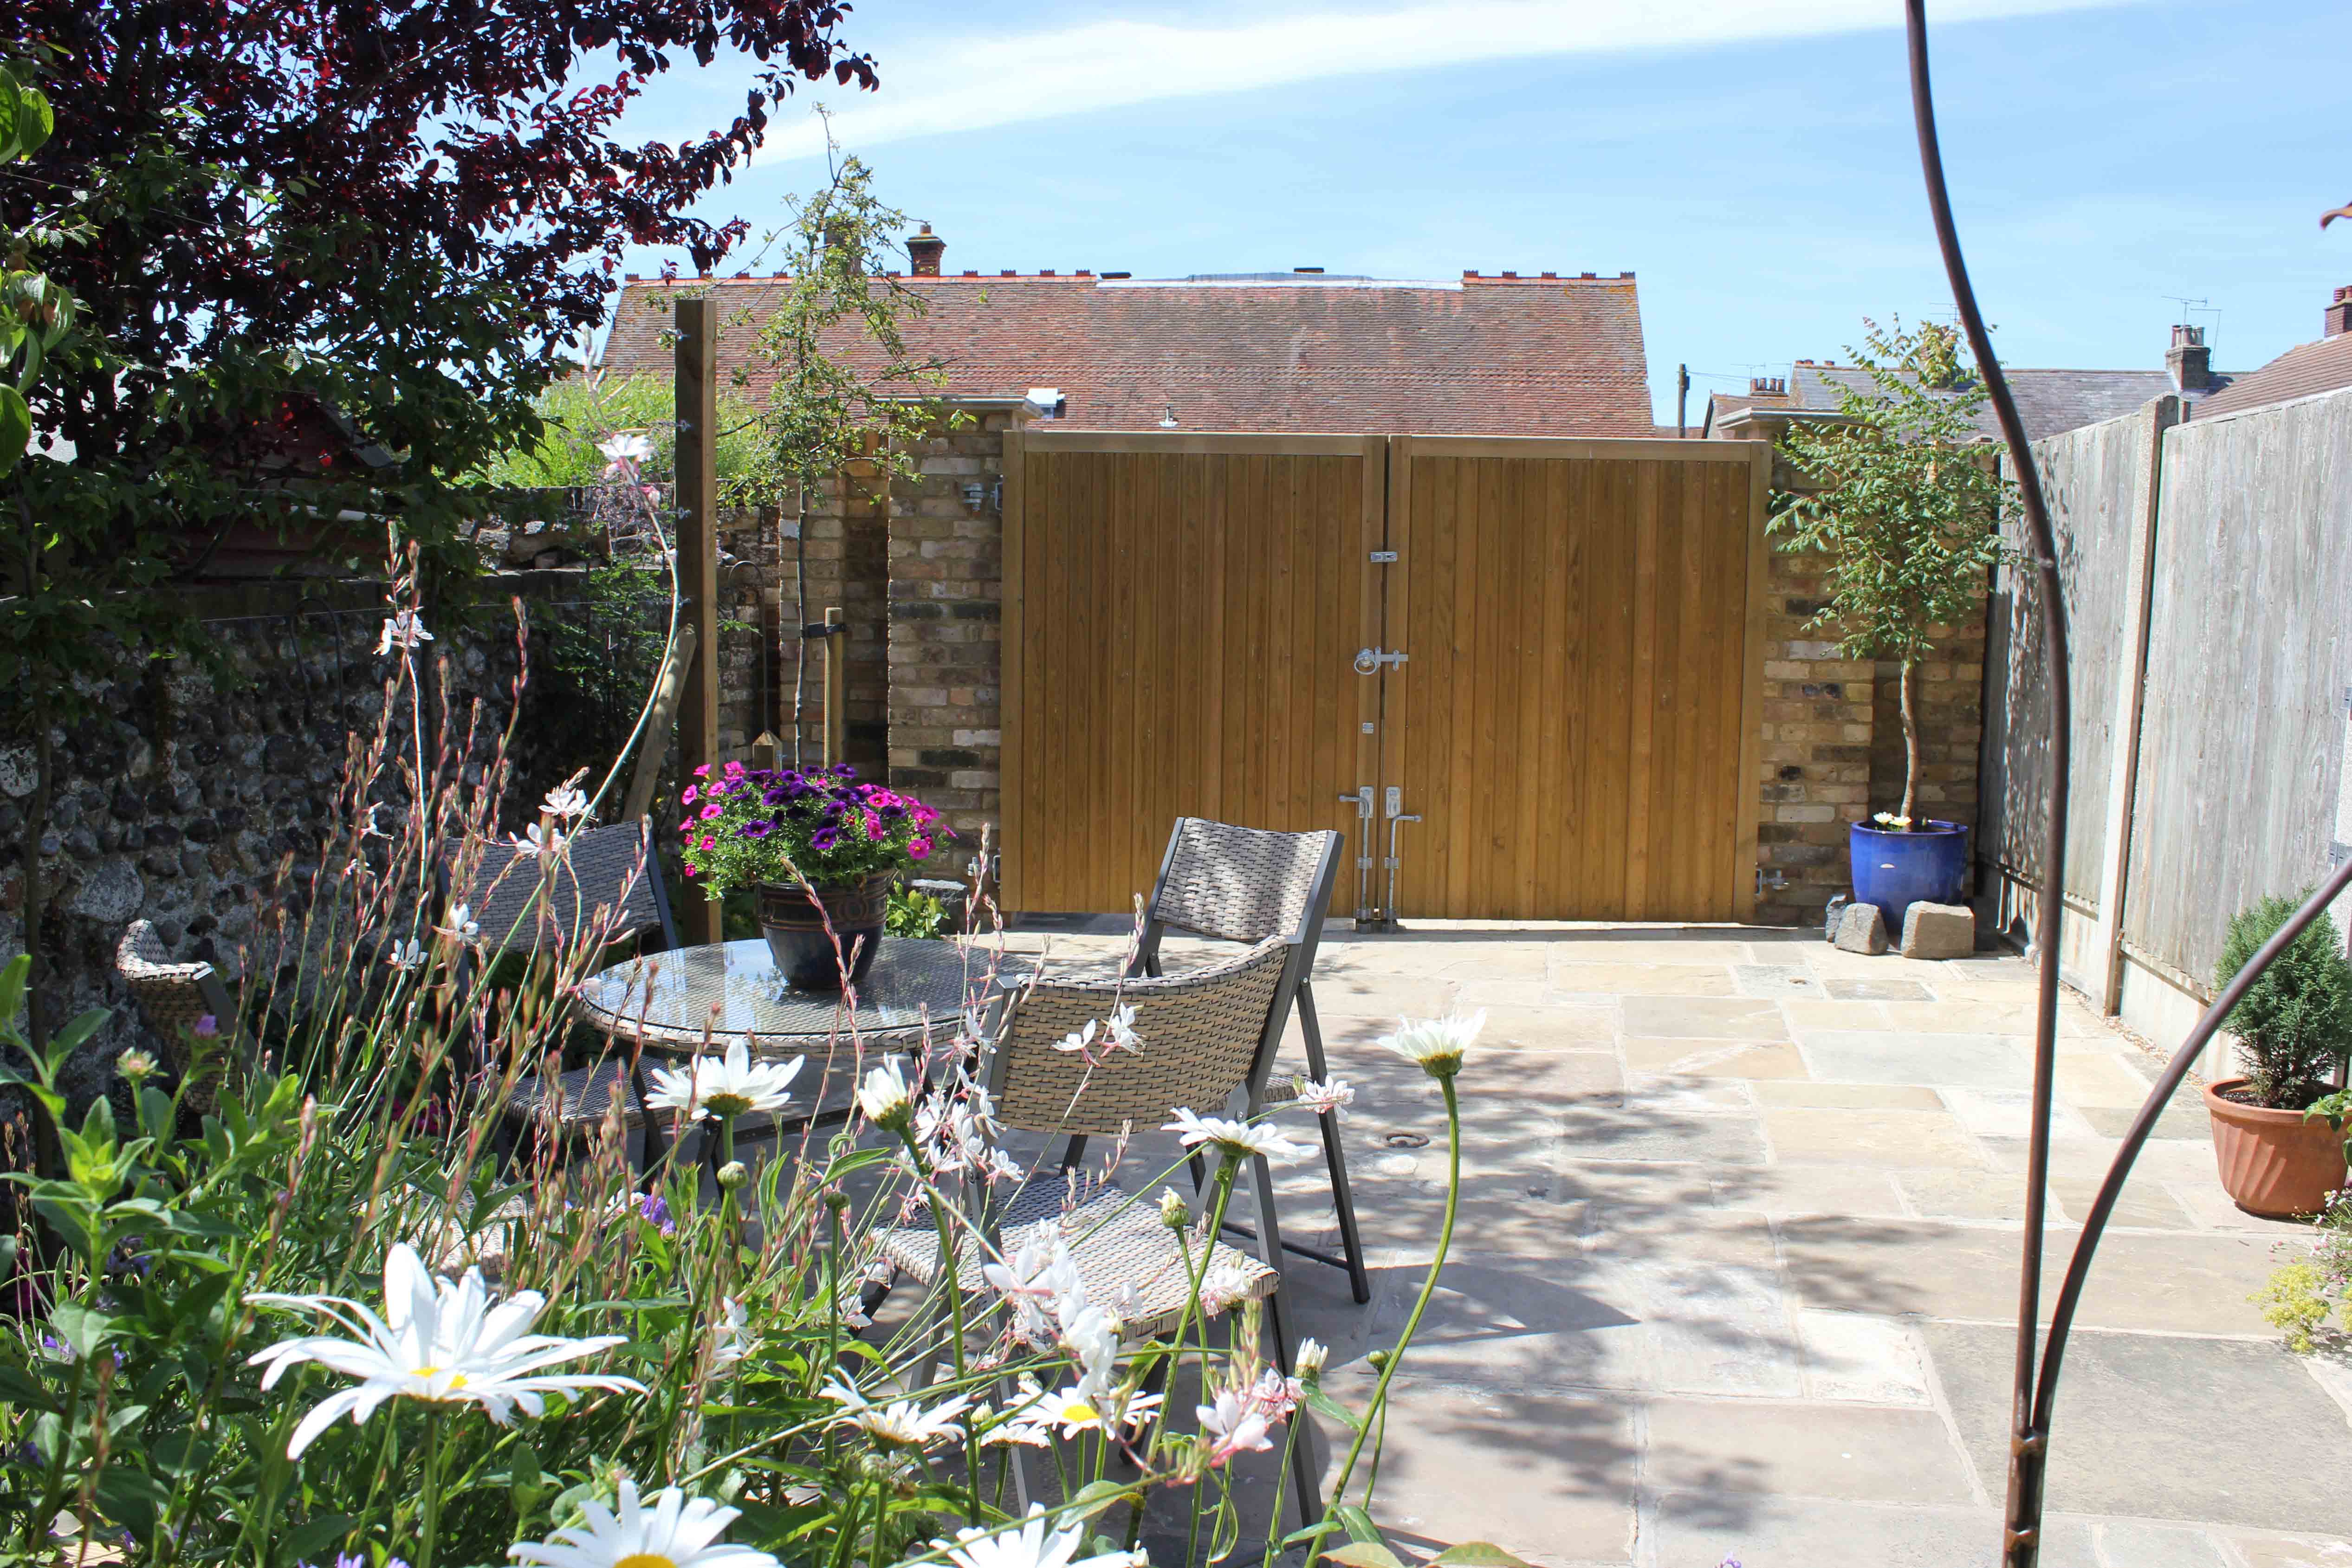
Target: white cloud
[981,81]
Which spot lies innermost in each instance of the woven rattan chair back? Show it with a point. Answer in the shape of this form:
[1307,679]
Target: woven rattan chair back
[1200,1031]
[609,881]
[1239,884]
[174,997]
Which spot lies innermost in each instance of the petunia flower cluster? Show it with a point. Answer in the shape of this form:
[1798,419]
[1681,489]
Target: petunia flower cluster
[745,826]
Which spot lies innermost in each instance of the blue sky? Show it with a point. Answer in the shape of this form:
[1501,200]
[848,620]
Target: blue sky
[1753,164]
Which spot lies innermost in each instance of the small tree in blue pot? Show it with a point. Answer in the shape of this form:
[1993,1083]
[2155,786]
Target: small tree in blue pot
[1905,508]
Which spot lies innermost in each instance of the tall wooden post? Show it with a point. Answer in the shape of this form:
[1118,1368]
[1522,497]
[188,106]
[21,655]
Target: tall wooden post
[698,560]
[836,688]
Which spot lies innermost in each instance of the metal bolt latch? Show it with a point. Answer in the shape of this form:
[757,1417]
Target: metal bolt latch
[1369,660]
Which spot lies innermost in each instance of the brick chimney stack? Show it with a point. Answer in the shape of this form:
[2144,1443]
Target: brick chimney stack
[2338,317]
[2188,360]
[923,252]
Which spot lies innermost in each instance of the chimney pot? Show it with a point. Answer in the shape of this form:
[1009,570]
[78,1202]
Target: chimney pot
[1469,272]
[2188,360]
[1551,274]
[2338,321]
[1510,275]
[1588,275]
[1766,385]
[1047,272]
[923,253]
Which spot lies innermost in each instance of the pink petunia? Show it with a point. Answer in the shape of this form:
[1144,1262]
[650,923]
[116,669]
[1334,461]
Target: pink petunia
[686,827]
[734,770]
[924,815]
[713,809]
[703,771]
[704,845]
[919,847]
[689,870]
[688,798]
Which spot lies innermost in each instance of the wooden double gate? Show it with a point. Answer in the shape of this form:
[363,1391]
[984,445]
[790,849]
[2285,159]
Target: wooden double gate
[1524,675]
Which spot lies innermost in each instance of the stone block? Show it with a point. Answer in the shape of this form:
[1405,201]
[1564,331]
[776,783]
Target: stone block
[1939,930]
[1862,929]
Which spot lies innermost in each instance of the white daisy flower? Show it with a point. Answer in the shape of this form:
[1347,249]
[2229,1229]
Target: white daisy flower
[1333,1096]
[1032,1546]
[404,629]
[906,1425]
[436,1342]
[723,1086]
[883,1096]
[1437,1045]
[674,1531]
[1234,1137]
[538,840]
[1312,1354]
[1076,1410]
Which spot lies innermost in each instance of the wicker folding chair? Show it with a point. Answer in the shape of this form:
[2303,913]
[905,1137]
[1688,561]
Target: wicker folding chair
[1245,884]
[174,997]
[610,879]
[1206,1035]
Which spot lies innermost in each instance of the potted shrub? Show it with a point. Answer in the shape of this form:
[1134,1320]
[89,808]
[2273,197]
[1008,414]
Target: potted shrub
[817,847]
[1907,523]
[2294,1025]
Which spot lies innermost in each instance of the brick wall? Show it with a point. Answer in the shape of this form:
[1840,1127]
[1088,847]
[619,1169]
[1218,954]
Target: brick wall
[946,596]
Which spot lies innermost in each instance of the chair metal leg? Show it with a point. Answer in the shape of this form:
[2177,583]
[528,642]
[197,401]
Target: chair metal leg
[1335,1159]
[1304,1475]
[1074,1153]
[1200,1172]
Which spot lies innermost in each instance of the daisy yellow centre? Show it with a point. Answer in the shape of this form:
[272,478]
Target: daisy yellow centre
[721,1104]
[645,1560]
[1079,1413]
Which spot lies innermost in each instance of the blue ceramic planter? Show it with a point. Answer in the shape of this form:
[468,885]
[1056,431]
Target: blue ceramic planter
[1895,870]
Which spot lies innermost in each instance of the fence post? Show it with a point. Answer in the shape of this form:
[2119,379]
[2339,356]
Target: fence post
[836,688]
[698,560]
[2131,692]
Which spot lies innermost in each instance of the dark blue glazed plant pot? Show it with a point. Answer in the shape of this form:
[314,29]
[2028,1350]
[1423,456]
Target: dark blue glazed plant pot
[804,950]
[1895,870]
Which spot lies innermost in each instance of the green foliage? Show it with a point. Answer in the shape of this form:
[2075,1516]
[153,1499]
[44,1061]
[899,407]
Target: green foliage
[915,914]
[35,313]
[748,827]
[584,410]
[2294,1023]
[2305,1291]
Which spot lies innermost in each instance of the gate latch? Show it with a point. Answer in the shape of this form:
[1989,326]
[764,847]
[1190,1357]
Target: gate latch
[1369,660]
[1384,557]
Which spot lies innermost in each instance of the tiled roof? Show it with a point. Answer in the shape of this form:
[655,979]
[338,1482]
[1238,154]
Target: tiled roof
[2049,401]
[2305,368]
[1532,356]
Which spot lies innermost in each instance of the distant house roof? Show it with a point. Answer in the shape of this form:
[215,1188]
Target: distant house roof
[2305,368]
[1261,353]
[2049,401]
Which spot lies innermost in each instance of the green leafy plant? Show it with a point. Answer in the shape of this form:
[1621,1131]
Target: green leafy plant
[2294,1023]
[1904,507]
[207,1361]
[2304,1292]
[915,914]
[585,410]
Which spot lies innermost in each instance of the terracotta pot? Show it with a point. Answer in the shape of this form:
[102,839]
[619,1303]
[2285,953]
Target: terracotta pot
[2274,1162]
[794,926]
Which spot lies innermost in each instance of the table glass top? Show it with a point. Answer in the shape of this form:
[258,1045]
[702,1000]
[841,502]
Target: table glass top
[734,989]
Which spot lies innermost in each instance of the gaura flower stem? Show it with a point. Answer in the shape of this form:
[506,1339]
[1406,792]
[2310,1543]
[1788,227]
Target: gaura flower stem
[1428,1290]
[949,1277]
[428,1527]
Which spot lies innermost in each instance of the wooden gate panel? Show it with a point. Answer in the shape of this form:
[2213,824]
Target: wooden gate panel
[1574,721]
[1180,617]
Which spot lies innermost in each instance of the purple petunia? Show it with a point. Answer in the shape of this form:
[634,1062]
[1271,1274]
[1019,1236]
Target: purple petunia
[776,795]
[825,839]
[758,827]
[845,771]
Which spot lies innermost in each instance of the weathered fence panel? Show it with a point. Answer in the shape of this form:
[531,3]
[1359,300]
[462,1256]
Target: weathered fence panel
[2248,667]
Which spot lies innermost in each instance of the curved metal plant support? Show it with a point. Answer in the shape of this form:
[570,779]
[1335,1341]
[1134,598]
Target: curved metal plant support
[2039,1361]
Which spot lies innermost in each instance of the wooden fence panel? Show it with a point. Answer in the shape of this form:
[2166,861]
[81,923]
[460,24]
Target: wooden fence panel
[1576,722]
[2242,736]
[1181,615]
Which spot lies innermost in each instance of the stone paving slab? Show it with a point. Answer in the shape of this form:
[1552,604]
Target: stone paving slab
[2163,1427]
[1737,1253]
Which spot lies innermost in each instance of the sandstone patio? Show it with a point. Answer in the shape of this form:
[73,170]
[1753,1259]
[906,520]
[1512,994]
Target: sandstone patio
[1735,1267]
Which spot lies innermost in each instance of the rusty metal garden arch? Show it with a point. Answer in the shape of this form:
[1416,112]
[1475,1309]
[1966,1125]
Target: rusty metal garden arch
[2039,1360]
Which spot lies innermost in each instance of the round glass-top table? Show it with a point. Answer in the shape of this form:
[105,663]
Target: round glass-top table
[730,991]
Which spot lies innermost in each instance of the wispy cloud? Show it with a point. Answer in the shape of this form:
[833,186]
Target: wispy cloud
[983,81]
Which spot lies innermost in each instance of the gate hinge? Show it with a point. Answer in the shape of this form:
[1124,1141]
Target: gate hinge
[1369,660]
[1384,557]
